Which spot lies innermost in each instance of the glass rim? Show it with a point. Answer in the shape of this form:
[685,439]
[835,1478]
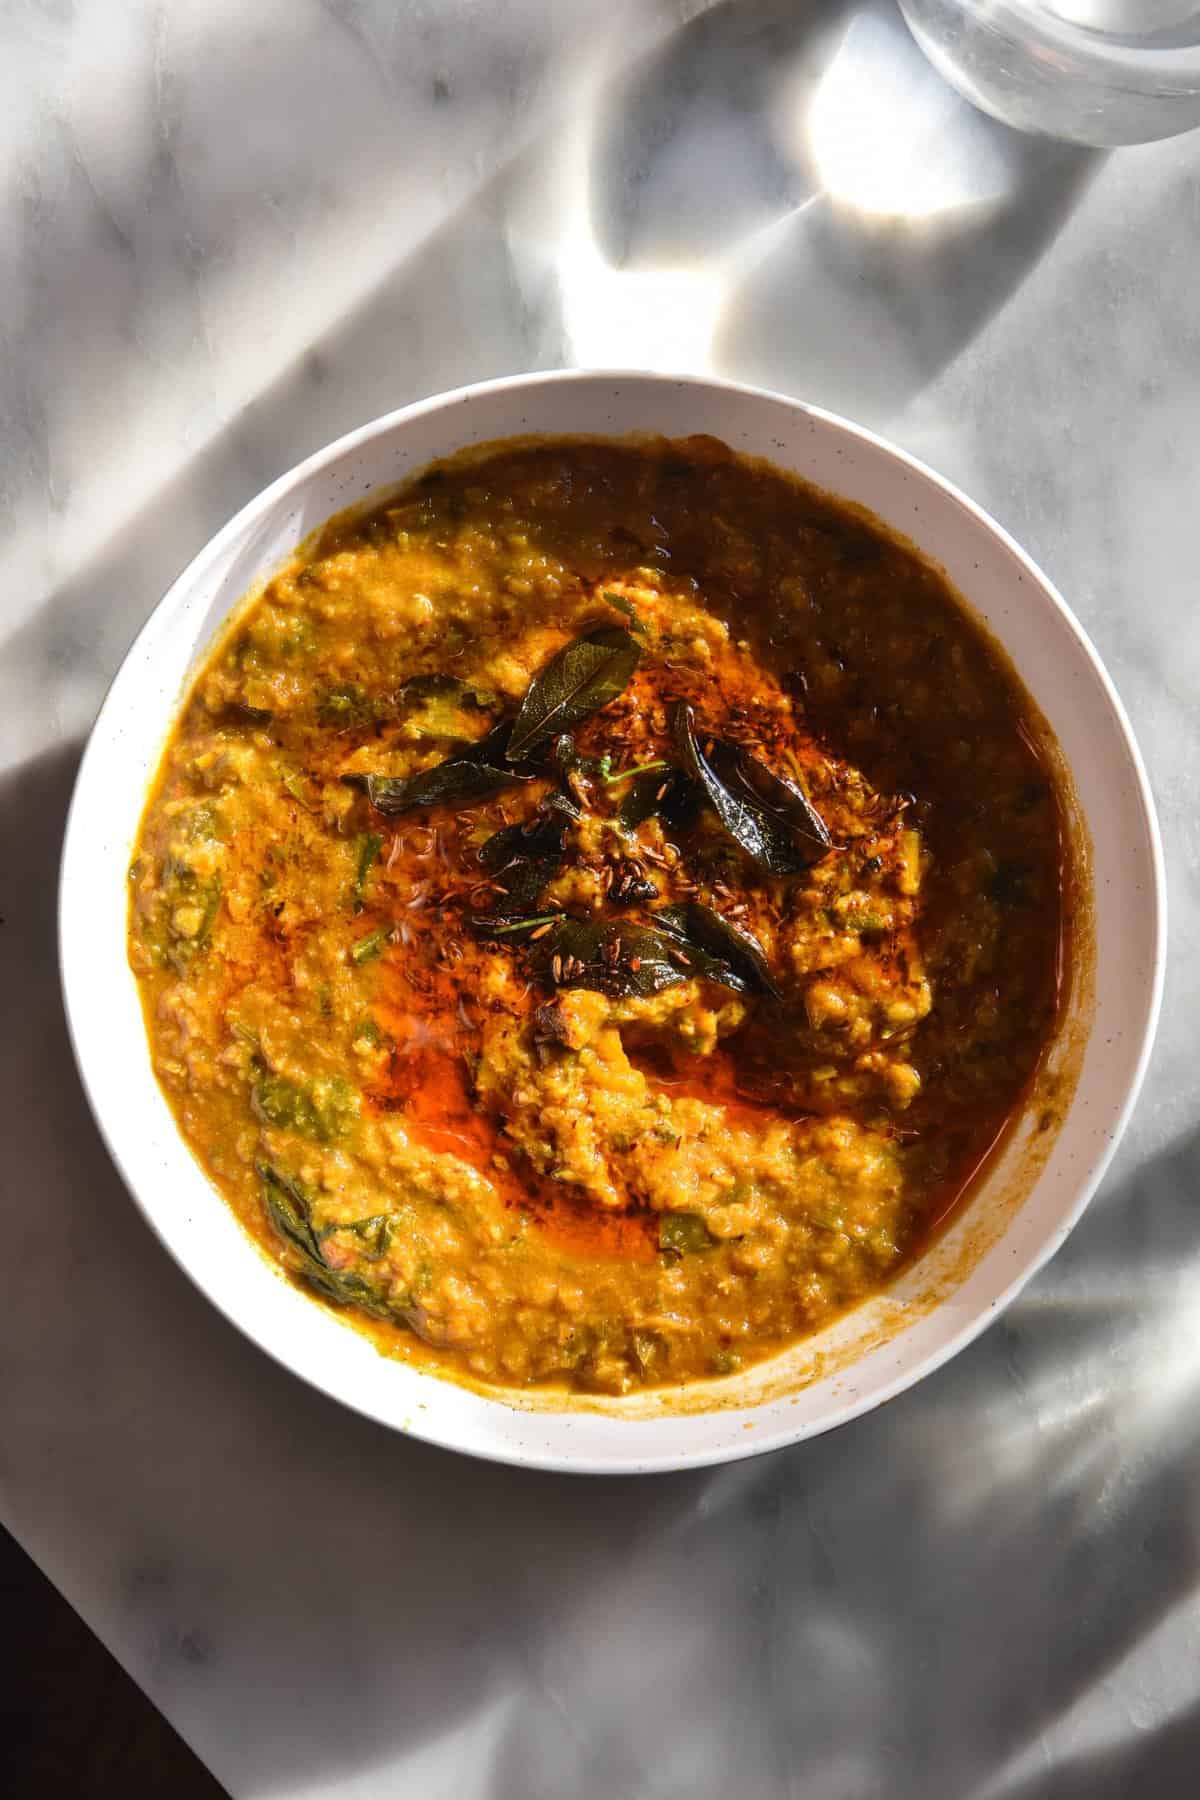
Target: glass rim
[1117,52]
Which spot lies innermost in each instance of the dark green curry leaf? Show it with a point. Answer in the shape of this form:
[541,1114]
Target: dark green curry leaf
[543,835]
[778,799]
[290,1208]
[718,949]
[611,957]
[457,782]
[774,822]
[673,797]
[581,678]
[524,880]
[523,858]
[419,688]
[563,807]
[473,773]
[680,1233]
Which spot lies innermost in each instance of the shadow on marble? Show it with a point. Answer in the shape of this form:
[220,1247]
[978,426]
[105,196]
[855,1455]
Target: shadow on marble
[764,136]
[1161,1765]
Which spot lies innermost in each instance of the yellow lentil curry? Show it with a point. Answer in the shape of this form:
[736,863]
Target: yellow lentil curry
[597,912]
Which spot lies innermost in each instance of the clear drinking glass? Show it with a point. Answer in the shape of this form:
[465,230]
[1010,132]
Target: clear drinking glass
[1095,71]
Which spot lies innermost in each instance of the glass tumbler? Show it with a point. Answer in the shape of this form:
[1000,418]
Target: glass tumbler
[1095,71]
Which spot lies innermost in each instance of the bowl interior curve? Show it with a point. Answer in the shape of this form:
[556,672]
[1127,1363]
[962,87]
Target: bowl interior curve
[1032,1195]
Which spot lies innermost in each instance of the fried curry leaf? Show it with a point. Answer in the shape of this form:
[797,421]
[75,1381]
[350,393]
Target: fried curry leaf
[523,858]
[419,688]
[680,1233]
[524,880]
[441,706]
[543,835]
[611,957]
[720,950]
[581,678]
[779,799]
[674,797]
[1010,884]
[774,823]
[480,769]
[457,782]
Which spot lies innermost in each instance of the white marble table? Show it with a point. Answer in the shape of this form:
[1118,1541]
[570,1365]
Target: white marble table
[229,232]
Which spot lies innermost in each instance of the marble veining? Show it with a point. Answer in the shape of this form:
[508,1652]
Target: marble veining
[229,233]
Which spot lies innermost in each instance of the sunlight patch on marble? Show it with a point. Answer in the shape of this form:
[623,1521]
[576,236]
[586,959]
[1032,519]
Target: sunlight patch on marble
[888,137]
[661,319]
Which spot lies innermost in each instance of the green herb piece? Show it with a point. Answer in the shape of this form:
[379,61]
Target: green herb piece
[286,1106]
[345,708]
[865,922]
[584,676]
[683,1233]
[367,846]
[649,768]
[717,948]
[373,1233]
[772,820]
[367,1031]
[294,783]
[367,948]
[624,604]
[724,1362]
[179,887]
[502,926]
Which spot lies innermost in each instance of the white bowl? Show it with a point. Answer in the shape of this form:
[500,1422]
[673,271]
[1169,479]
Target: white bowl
[1031,1196]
